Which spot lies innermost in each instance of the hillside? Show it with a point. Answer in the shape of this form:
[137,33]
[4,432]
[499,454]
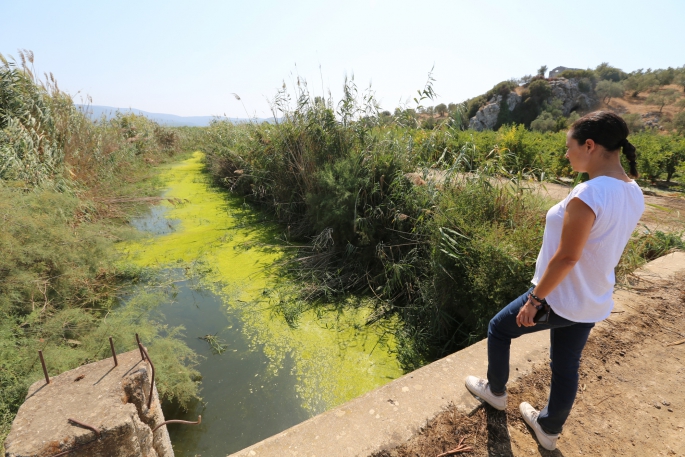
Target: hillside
[651,99]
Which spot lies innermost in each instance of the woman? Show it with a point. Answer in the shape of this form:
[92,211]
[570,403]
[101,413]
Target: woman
[585,235]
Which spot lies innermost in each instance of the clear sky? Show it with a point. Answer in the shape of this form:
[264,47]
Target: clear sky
[187,57]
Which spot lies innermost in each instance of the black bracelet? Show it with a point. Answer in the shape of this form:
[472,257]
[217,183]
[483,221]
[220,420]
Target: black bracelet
[538,307]
[542,301]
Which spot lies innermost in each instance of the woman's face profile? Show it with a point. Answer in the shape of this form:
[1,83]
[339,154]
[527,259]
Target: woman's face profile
[576,153]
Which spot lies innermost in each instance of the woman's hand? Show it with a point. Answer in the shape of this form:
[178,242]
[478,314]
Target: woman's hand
[526,314]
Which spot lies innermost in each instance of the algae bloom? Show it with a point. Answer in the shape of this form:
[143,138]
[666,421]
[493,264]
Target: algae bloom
[335,355]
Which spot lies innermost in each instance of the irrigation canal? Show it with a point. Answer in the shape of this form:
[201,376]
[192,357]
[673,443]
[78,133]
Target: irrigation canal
[262,375]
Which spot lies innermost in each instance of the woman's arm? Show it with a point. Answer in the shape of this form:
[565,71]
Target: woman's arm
[578,221]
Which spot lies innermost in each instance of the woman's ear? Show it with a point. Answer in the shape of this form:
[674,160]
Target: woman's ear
[590,145]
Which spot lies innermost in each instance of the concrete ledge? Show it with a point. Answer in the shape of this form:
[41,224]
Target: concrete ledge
[392,414]
[663,267]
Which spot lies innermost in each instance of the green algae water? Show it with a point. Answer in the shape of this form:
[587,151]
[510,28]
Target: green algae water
[270,374]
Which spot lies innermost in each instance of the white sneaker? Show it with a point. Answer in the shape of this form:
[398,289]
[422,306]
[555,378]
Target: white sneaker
[481,389]
[530,415]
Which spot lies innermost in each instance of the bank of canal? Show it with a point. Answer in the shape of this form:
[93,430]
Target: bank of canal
[272,375]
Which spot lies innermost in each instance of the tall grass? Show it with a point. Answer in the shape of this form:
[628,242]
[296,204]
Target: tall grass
[45,140]
[61,175]
[443,254]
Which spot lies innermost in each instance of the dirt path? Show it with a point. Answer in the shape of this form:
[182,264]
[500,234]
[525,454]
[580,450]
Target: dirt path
[630,400]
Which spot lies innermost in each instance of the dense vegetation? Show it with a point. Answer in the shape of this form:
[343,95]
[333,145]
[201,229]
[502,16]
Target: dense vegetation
[440,224]
[60,176]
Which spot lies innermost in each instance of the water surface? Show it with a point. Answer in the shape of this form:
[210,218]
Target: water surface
[272,375]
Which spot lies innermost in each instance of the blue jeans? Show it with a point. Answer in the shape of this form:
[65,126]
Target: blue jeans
[567,340]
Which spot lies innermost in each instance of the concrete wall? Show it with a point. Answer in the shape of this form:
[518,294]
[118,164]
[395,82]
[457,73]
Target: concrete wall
[111,399]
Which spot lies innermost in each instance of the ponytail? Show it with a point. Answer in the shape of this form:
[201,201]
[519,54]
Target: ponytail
[630,153]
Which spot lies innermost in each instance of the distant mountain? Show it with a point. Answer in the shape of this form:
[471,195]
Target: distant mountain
[171,120]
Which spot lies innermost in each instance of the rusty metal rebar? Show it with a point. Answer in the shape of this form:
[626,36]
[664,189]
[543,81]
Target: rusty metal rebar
[152,383]
[177,421]
[74,421]
[114,353]
[45,370]
[142,356]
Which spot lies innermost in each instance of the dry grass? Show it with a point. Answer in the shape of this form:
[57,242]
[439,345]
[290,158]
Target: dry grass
[638,105]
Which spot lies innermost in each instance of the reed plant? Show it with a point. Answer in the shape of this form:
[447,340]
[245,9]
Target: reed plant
[379,205]
[440,226]
[66,184]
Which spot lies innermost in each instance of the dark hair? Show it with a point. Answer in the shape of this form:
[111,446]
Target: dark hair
[609,130]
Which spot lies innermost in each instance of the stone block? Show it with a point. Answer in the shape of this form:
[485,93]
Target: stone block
[111,399]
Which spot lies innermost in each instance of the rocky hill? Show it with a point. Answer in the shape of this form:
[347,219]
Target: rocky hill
[646,99]
[565,92]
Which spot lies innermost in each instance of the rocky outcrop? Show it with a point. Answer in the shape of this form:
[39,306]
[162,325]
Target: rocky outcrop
[566,90]
[486,117]
[572,98]
[513,99]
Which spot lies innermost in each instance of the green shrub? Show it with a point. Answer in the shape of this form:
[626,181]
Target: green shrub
[585,85]
[634,122]
[679,122]
[57,283]
[544,123]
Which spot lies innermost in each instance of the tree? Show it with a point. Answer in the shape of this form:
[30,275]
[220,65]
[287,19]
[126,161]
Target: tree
[542,70]
[606,72]
[441,109]
[640,81]
[662,98]
[679,77]
[666,76]
[609,89]
[525,79]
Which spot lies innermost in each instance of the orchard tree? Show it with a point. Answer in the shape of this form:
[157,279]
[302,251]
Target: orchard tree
[662,98]
[607,90]
[640,81]
[441,109]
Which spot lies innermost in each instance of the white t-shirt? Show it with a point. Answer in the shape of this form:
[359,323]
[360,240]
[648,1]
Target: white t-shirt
[585,294]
